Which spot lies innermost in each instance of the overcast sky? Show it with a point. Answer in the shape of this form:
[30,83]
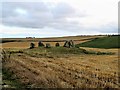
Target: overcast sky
[53,18]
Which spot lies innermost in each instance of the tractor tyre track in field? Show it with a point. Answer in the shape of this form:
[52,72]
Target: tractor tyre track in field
[69,77]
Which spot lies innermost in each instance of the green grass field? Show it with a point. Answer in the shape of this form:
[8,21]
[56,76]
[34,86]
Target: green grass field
[104,42]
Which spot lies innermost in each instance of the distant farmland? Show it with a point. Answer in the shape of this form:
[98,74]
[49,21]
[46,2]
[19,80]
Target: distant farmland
[25,42]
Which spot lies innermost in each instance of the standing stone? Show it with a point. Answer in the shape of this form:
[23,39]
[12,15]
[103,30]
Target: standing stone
[40,44]
[66,44]
[57,44]
[48,45]
[32,45]
[69,44]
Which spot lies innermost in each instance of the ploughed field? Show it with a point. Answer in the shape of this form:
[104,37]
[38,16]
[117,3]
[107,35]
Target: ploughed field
[60,67]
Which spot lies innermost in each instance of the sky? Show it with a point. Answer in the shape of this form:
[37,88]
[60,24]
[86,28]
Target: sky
[56,18]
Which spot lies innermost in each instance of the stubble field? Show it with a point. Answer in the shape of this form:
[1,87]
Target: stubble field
[56,68]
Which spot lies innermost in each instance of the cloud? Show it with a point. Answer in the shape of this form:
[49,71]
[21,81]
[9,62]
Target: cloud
[63,10]
[71,17]
[36,15]
[8,31]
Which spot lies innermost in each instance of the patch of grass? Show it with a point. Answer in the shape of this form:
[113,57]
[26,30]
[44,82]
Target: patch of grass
[9,80]
[52,52]
[60,52]
[97,53]
[105,53]
[55,50]
[19,51]
[64,50]
[104,42]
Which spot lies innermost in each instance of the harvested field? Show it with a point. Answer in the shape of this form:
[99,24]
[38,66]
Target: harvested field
[59,67]
[48,39]
[66,71]
[27,44]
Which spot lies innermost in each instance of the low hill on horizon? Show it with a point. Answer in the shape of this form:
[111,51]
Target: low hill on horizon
[104,42]
[52,39]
